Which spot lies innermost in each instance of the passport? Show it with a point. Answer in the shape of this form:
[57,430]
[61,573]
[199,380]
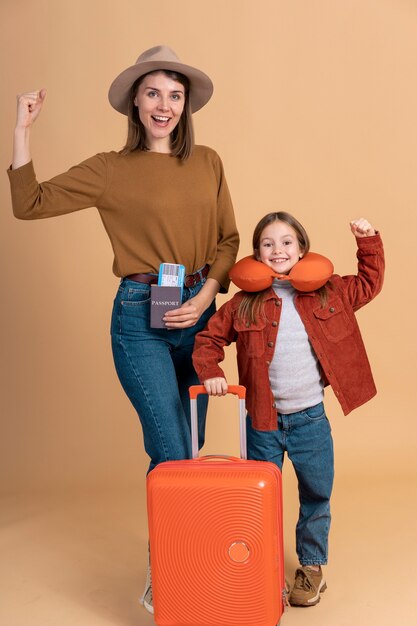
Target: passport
[163,299]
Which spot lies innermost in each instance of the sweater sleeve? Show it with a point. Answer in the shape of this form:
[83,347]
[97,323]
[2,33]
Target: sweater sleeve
[210,343]
[367,283]
[227,234]
[79,188]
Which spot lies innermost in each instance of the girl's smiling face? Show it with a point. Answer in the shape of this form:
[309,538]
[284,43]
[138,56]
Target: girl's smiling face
[160,101]
[279,247]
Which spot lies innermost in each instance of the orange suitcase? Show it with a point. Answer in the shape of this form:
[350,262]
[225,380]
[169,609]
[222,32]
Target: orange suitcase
[215,530]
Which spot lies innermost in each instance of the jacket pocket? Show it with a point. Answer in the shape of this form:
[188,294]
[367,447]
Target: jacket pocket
[250,337]
[334,320]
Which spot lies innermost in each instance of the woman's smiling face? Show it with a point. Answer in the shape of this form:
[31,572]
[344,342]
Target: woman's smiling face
[160,101]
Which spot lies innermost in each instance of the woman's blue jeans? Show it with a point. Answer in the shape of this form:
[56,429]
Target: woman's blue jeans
[155,369]
[306,437]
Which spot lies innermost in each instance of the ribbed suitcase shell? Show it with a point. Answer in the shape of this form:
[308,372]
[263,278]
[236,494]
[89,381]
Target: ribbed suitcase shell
[215,530]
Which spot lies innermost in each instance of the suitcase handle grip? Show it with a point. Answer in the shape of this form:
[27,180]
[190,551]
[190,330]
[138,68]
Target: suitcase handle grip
[237,390]
[219,457]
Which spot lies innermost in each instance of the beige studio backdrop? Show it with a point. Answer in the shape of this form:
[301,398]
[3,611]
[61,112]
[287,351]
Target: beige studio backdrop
[314,112]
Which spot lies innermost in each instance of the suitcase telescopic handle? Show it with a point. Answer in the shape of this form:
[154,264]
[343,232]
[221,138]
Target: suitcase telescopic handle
[237,390]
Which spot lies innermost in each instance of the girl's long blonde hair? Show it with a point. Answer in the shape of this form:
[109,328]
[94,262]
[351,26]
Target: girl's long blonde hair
[251,305]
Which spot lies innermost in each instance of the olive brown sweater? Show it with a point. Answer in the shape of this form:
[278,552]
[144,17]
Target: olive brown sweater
[154,207]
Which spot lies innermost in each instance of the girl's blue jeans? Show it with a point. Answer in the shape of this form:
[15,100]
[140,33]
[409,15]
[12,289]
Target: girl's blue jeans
[306,437]
[155,369]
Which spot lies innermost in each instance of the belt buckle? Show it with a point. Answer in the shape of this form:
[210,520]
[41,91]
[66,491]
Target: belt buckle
[190,280]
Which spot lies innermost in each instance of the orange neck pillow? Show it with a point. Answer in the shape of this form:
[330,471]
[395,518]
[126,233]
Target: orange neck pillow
[310,273]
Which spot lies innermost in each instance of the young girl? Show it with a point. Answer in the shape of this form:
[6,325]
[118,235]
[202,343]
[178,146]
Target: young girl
[290,345]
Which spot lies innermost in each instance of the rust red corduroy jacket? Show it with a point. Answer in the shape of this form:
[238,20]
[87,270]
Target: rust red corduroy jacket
[333,332]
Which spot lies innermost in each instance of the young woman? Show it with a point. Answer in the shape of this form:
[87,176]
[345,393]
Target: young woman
[161,199]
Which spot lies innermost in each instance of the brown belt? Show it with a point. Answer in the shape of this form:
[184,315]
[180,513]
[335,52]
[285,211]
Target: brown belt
[149,279]
[190,280]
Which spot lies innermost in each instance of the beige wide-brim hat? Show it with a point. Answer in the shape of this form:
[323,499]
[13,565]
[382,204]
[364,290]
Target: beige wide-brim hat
[160,58]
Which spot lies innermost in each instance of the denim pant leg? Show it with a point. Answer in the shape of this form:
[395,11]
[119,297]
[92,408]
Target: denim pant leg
[310,449]
[187,376]
[306,436]
[155,369]
[265,445]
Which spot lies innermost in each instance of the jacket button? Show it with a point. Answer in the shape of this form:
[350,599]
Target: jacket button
[270,344]
[277,303]
[274,323]
[331,309]
[268,362]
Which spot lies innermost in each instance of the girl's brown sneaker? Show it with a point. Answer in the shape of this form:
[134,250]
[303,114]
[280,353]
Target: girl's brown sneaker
[308,586]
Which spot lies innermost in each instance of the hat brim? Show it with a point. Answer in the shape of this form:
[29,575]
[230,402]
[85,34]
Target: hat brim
[201,87]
